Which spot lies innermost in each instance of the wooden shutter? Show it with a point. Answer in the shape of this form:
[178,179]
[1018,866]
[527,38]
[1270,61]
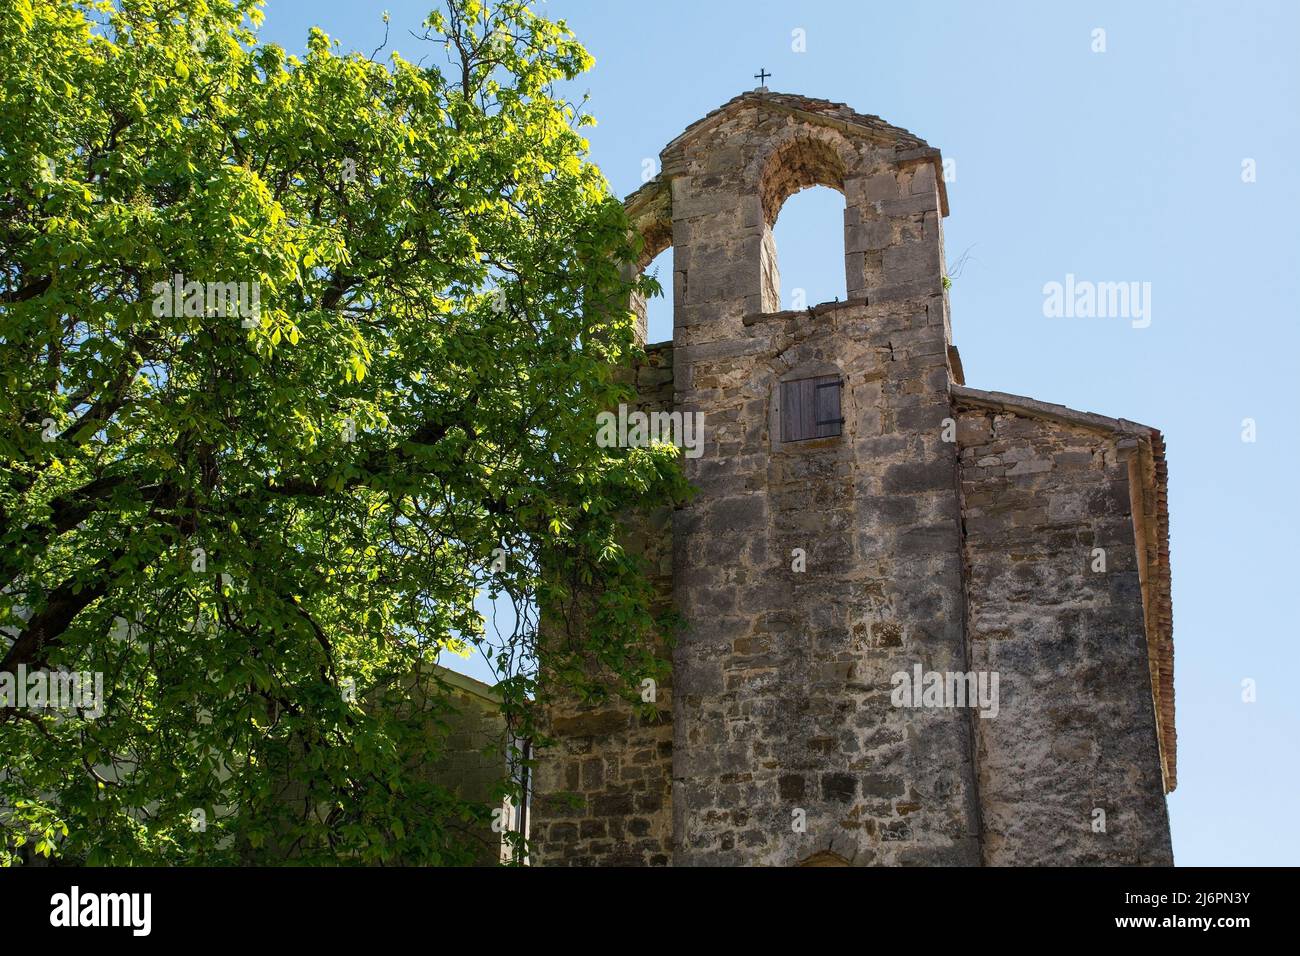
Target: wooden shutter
[796,411]
[826,406]
[810,408]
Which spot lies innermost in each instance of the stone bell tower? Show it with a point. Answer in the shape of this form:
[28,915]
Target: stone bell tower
[861,514]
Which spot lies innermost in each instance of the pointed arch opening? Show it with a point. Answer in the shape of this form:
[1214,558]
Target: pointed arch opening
[650,211]
[801,187]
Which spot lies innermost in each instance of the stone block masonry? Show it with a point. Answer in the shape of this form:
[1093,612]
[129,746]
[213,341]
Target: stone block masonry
[930,525]
[602,793]
[1055,568]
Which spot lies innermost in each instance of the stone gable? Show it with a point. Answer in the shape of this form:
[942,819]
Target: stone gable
[942,530]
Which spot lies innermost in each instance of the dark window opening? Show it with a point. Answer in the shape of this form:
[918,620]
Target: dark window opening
[810,408]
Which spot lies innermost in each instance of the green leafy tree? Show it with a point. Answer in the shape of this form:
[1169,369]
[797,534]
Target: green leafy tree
[300,356]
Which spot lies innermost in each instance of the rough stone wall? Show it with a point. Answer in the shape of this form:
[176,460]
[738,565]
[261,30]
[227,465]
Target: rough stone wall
[473,762]
[781,710]
[782,680]
[1076,729]
[451,715]
[784,677]
[603,791]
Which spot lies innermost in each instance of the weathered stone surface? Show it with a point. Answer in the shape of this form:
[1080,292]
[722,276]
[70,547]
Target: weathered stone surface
[943,530]
[1070,641]
[601,793]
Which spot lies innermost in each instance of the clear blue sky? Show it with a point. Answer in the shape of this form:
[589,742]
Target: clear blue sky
[1115,166]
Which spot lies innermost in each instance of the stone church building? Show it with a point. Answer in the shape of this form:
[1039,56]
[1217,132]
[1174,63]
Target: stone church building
[871,537]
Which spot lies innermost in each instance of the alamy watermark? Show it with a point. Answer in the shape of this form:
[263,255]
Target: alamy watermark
[75,908]
[1083,299]
[639,429]
[194,298]
[922,688]
[68,691]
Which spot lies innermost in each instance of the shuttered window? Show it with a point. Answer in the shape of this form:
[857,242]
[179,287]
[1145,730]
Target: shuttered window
[810,408]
